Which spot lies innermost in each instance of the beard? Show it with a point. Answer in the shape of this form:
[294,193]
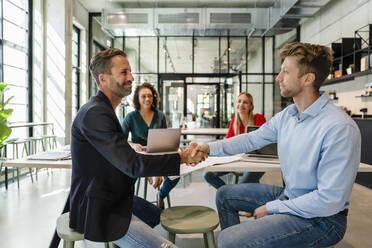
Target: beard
[120,90]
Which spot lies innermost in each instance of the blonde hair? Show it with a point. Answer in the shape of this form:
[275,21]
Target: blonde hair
[237,120]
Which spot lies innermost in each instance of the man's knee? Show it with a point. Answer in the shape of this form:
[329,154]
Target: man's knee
[221,194]
[225,239]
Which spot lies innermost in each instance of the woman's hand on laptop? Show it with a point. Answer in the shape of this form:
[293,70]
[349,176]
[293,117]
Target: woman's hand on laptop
[186,156]
[137,147]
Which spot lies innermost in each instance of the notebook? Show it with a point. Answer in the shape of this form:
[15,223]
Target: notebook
[163,140]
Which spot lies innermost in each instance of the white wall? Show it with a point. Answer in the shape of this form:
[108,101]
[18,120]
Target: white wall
[52,55]
[337,20]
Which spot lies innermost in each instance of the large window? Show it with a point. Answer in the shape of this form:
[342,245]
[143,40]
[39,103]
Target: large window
[15,52]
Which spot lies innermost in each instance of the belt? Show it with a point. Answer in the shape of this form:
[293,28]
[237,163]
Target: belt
[344,212]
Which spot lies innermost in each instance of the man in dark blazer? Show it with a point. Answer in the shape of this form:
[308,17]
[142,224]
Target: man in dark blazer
[104,166]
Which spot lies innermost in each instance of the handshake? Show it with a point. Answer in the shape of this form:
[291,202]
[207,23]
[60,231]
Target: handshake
[194,154]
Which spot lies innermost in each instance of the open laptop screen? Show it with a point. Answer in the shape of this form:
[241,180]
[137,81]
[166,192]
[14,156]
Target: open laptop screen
[163,140]
[270,150]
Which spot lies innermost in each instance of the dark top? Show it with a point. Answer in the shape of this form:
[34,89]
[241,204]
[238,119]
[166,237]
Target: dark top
[103,168]
[134,123]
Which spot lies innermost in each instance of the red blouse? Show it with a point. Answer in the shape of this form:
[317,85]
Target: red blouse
[258,120]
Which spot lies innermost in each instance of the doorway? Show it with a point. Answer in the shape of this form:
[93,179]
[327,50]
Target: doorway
[198,100]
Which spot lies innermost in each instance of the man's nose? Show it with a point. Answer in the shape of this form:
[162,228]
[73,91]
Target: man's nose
[278,78]
[131,78]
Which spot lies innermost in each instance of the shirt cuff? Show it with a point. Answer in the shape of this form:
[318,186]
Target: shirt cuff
[272,207]
[213,147]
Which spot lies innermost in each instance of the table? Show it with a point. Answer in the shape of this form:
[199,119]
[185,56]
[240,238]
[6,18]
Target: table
[24,162]
[243,166]
[30,125]
[205,131]
[238,166]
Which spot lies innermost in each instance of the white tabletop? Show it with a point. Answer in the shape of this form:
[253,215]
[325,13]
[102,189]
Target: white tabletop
[29,124]
[238,166]
[204,131]
[24,162]
[242,166]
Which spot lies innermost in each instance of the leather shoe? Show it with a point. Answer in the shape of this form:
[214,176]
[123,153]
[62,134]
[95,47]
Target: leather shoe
[159,201]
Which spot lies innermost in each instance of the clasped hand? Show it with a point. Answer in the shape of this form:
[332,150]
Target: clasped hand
[193,155]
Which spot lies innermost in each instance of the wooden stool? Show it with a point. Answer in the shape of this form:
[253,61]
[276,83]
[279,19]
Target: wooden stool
[68,235]
[190,219]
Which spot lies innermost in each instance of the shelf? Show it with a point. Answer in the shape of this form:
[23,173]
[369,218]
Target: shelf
[347,77]
[364,96]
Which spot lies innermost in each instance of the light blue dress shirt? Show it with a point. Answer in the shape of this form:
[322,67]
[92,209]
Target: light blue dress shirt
[319,157]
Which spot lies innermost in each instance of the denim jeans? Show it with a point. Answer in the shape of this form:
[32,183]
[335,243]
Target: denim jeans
[213,178]
[277,230]
[146,211]
[141,235]
[167,186]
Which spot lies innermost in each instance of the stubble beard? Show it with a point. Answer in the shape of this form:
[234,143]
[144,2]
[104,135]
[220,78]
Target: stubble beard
[121,90]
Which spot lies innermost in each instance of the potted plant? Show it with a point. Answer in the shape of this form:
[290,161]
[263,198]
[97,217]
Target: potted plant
[5,130]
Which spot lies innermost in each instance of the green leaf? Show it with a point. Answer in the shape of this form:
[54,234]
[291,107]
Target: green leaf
[5,131]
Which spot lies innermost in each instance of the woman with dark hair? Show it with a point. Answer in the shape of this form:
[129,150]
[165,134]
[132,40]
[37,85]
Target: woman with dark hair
[146,115]
[243,117]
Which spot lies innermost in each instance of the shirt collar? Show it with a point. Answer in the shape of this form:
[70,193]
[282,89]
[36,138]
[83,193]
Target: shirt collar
[314,109]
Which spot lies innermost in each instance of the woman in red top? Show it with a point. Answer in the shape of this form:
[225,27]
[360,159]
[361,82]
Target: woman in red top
[243,117]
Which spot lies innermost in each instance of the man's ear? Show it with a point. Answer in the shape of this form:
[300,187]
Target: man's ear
[101,78]
[310,78]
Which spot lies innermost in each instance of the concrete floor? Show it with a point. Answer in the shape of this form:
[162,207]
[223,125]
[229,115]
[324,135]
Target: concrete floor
[28,214]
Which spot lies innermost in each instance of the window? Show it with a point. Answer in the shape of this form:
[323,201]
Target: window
[75,70]
[15,51]
[203,107]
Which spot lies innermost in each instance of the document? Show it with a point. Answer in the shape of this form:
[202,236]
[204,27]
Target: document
[184,169]
[63,153]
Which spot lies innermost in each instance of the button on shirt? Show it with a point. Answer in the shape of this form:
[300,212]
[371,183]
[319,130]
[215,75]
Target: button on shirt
[319,157]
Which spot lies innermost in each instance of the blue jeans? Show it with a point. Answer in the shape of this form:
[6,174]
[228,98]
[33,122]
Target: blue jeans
[277,230]
[167,186]
[141,235]
[146,211]
[213,178]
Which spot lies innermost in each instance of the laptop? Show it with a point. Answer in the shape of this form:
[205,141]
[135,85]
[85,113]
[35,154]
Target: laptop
[163,140]
[265,154]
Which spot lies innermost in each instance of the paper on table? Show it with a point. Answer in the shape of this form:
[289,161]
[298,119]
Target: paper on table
[51,155]
[184,169]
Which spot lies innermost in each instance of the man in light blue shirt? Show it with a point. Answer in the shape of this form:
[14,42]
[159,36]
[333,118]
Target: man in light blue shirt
[319,152]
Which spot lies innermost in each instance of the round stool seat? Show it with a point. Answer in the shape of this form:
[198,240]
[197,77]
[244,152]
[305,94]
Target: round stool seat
[189,219]
[64,231]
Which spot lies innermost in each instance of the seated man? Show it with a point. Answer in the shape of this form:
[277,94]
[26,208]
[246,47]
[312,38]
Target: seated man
[104,166]
[319,152]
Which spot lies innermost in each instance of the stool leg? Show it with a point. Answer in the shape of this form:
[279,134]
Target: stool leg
[168,201]
[138,185]
[145,189]
[68,244]
[210,240]
[172,237]
[18,177]
[111,245]
[236,179]
[205,240]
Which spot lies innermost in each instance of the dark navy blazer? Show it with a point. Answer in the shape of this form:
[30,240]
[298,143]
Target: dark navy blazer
[103,168]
